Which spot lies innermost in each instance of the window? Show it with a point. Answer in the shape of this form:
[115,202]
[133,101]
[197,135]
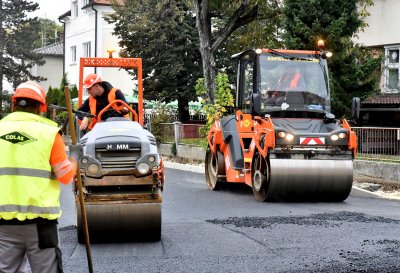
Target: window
[73,54]
[74,9]
[392,70]
[247,87]
[86,49]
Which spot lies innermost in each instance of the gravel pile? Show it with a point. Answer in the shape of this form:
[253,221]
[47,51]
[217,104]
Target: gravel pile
[322,219]
[359,249]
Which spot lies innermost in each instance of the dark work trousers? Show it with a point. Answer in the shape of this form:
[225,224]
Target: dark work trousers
[39,242]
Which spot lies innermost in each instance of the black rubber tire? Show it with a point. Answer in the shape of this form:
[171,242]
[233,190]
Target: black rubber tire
[260,170]
[213,167]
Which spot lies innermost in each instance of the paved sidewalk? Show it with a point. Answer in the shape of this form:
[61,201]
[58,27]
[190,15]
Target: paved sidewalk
[184,167]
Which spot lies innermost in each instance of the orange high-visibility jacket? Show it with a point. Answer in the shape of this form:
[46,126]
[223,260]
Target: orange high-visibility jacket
[92,106]
[294,81]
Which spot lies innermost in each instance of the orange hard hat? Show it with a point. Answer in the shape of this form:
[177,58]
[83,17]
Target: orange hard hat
[31,90]
[90,80]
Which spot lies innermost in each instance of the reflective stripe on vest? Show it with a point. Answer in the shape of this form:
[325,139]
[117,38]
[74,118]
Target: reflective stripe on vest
[28,188]
[26,172]
[93,102]
[29,209]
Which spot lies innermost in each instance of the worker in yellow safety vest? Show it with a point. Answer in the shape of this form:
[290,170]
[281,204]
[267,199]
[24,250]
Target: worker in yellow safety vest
[101,93]
[32,159]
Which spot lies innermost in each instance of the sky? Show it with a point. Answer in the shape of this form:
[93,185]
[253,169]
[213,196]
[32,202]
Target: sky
[52,9]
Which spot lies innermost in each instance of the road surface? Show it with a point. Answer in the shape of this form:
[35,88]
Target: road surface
[229,231]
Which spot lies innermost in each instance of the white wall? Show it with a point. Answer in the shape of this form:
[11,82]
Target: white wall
[383,24]
[52,70]
[81,30]
[78,30]
[7,87]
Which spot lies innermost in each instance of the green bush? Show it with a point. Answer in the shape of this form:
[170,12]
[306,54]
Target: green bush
[161,132]
[174,151]
[56,96]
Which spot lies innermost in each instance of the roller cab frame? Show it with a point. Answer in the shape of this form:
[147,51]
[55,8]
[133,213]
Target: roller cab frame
[121,169]
[282,141]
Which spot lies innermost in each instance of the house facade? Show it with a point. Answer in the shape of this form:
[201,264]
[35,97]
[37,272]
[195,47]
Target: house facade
[52,70]
[383,34]
[7,87]
[87,34]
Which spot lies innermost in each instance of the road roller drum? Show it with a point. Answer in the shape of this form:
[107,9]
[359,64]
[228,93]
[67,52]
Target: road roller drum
[121,219]
[318,180]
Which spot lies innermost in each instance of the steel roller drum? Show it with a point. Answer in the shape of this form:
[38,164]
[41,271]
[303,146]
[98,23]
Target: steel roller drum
[122,221]
[310,180]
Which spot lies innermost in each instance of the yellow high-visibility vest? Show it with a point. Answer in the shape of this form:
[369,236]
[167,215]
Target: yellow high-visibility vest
[28,188]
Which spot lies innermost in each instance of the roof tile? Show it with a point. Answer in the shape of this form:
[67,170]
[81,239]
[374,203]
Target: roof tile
[56,49]
[383,99]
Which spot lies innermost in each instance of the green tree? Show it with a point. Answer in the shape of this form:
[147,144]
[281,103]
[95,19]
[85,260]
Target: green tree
[6,104]
[52,96]
[352,68]
[222,102]
[217,20]
[60,91]
[49,31]
[264,32]
[17,34]
[56,96]
[164,35]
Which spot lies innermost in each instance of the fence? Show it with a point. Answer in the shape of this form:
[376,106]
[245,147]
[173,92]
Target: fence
[164,133]
[181,133]
[148,116]
[375,142]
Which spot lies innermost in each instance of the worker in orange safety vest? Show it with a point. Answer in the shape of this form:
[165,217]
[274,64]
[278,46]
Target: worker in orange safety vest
[32,163]
[290,80]
[101,93]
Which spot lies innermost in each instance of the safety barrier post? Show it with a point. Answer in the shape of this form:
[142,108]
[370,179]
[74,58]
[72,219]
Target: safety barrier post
[177,127]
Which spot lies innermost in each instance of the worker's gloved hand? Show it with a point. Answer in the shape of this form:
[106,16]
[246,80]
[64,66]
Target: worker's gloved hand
[76,151]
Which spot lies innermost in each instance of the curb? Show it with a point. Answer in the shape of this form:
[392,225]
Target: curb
[184,167]
[364,193]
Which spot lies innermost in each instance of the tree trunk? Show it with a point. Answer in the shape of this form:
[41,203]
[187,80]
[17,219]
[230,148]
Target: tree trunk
[1,57]
[209,44]
[183,110]
[204,28]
